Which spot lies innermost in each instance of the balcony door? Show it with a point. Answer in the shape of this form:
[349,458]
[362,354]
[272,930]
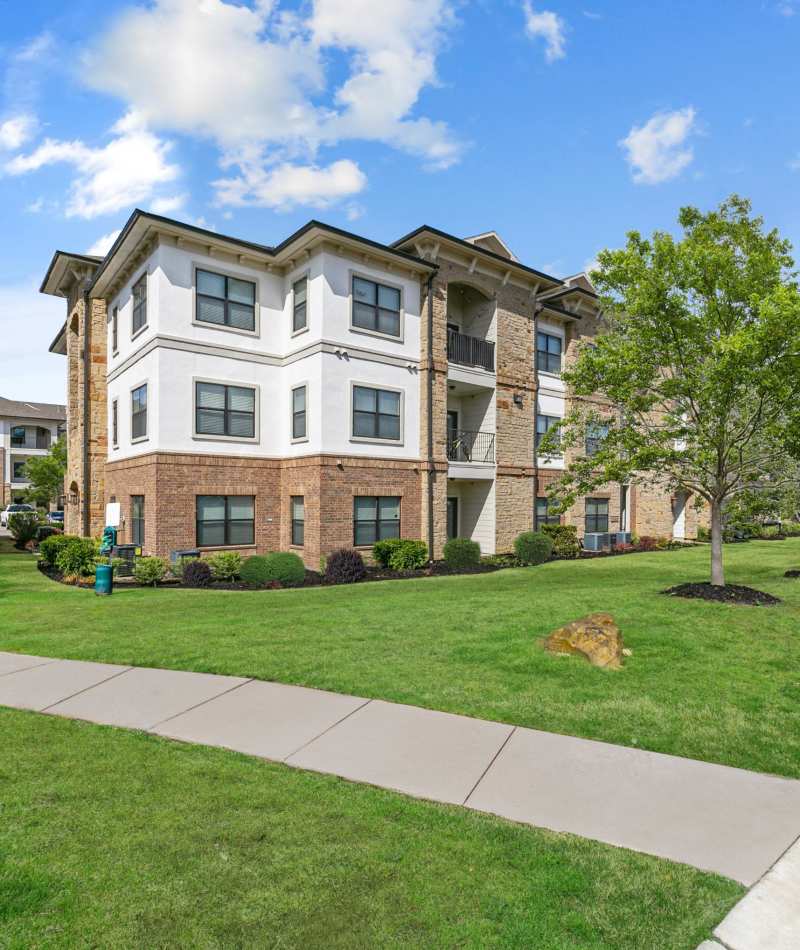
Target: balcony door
[452,518]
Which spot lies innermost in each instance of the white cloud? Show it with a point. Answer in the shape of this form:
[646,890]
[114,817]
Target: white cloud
[38,47]
[126,171]
[286,185]
[550,27]
[794,163]
[169,204]
[592,15]
[16,131]
[658,151]
[102,245]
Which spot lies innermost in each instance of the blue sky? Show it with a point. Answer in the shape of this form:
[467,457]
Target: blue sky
[560,124]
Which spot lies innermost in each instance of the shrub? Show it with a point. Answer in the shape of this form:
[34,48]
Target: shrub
[703,534]
[345,566]
[461,552]
[225,566]
[149,570]
[646,543]
[409,556]
[177,567]
[565,539]
[23,526]
[255,571]
[76,556]
[50,547]
[285,567]
[196,573]
[533,547]
[382,550]
[790,528]
[46,531]
[770,531]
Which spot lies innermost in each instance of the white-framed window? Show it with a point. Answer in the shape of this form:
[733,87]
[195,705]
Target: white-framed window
[139,293]
[375,518]
[300,305]
[115,329]
[222,300]
[225,520]
[543,425]
[297,504]
[377,414]
[548,353]
[376,308]
[300,413]
[114,423]
[139,413]
[225,410]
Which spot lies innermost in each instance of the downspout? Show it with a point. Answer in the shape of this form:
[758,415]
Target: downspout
[87,356]
[536,308]
[430,419]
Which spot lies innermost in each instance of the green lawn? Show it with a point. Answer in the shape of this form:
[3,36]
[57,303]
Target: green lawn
[709,681]
[112,839]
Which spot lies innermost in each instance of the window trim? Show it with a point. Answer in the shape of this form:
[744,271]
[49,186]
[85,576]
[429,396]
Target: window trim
[369,440]
[305,275]
[226,544]
[377,520]
[537,521]
[18,445]
[115,330]
[292,390]
[293,521]
[537,436]
[115,423]
[210,437]
[131,391]
[557,336]
[140,542]
[596,498]
[142,278]
[351,275]
[221,272]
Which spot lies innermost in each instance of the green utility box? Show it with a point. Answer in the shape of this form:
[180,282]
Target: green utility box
[104,579]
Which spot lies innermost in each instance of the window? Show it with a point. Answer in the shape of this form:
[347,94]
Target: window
[596,515]
[18,471]
[375,519]
[595,434]
[548,353]
[114,423]
[376,414]
[139,319]
[299,317]
[139,413]
[225,520]
[115,330]
[225,301]
[18,436]
[545,513]
[225,411]
[299,427]
[376,307]
[137,520]
[543,425]
[298,511]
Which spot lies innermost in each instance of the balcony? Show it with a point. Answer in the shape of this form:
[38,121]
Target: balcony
[470,351]
[465,446]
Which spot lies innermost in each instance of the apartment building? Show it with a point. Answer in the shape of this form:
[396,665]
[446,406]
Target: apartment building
[324,392]
[27,430]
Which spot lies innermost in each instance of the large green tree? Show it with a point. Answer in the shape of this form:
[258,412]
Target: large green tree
[699,363]
[46,474]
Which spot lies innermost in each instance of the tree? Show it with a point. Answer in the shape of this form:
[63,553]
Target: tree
[699,363]
[46,474]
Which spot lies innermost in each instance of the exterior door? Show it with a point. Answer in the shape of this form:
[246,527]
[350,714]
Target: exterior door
[452,518]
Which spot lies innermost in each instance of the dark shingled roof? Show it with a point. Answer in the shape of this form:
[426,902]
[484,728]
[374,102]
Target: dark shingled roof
[31,410]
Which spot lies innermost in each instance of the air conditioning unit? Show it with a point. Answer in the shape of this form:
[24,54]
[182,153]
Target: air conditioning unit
[622,537]
[597,542]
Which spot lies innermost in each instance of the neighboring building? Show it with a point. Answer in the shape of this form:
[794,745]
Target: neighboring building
[27,429]
[322,393]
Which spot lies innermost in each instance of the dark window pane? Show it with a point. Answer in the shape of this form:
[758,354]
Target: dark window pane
[240,532]
[241,399]
[210,422]
[389,427]
[365,508]
[210,396]
[389,298]
[365,532]
[241,291]
[240,507]
[241,425]
[389,508]
[365,291]
[242,316]
[211,533]
[364,316]
[389,322]
[210,310]
[365,400]
[364,425]
[211,284]
[299,320]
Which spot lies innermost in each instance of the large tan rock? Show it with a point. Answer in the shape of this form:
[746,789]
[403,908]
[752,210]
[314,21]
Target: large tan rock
[595,637]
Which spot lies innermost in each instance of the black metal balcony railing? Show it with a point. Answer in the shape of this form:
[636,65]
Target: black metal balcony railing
[466,446]
[470,351]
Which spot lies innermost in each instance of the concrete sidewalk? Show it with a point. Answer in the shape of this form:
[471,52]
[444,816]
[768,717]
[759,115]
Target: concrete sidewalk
[721,819]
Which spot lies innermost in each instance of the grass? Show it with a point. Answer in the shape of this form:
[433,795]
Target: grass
[117,839]
[708,681]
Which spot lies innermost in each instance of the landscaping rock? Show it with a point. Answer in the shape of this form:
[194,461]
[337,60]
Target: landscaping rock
[595,637]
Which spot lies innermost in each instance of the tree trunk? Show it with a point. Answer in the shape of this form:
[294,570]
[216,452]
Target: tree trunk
[717,570]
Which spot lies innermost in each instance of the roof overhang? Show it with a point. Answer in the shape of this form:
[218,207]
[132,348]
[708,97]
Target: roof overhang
[559,312]
[431,243]
[143,229]
[59,344]
[65,270]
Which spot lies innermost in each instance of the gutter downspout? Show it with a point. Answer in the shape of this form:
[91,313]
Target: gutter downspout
[536,308]
[430,420]
[87,355]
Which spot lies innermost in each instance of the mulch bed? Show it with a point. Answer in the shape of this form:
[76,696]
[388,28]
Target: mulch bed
[792,573]
[729,594]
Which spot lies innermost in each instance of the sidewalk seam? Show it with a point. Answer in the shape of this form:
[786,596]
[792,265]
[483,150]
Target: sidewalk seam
[198,705]
[33,666]
[86,689]
[328,729]
[493,759]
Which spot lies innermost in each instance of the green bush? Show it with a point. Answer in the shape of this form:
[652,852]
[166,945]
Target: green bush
[533,547]
[285,567]
[382,550]
[50,547]
[225,565]
[791,528]
[23,526]
[770,531]
[409,556]
[703,534]
[77,556]
[255,571]
[177,567]
[149,570]
[565,539]
[461,552]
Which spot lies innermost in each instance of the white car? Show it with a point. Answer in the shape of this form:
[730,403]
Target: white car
[6,513]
